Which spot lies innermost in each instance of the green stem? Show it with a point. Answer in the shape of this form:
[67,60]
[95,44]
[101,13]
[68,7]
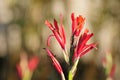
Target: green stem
[74,68]
[27,75]
[70,76]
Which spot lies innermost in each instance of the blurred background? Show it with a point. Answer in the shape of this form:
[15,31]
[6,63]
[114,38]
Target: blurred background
[22,30]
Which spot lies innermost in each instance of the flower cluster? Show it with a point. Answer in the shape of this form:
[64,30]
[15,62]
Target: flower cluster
[78,46]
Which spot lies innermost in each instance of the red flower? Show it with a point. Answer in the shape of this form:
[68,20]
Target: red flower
[82,47]
[77,24]
[55,62]
[26,65]
[58,32]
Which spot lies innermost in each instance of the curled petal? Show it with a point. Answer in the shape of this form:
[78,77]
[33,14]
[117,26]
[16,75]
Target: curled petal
[58,32]
[48,40]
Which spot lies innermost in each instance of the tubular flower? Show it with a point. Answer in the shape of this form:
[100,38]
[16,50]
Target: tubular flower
[25,67]
[77,24]
[58,32]
[82,47]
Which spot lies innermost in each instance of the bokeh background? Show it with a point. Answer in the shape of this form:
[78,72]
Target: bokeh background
[22,30]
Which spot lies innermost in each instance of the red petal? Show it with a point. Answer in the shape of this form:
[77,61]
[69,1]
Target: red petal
[82,42]
[72,16]
[55,62]
[19,70]
[33,63]
[87,49]
[86,30]
[59,39]
[79,21]
[73,23]
[49,25]
[56,25]
[77,24]
[48,40]
[112,71]
[62,34]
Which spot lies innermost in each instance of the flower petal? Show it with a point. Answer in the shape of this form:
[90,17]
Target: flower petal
[56,25]
[112,72]
[82,42]
[33,63]
[48,40]
[19,70]
[73,23]
[62,34]
[55,62]
[87,49]
[59,39]
[49,25]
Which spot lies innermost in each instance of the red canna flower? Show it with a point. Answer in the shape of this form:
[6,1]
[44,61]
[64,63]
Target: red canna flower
[77,24]
[25,65]
[58,32]
[78,46]
[82,47]
[55,62]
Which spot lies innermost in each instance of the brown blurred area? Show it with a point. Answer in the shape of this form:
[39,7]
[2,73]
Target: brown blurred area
[22,29]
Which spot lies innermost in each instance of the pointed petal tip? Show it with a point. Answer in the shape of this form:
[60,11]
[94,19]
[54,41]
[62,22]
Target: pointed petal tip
[95,46]
[46,22]
[72,16]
